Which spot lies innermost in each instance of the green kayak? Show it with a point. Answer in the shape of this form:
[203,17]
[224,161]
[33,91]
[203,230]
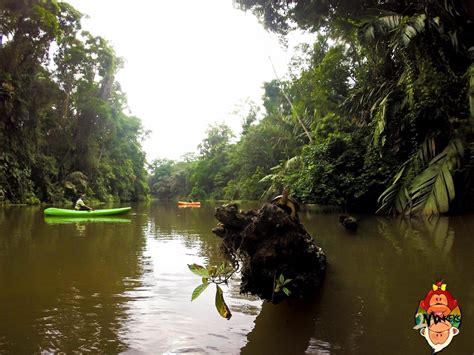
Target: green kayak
[77,219]
[74,213]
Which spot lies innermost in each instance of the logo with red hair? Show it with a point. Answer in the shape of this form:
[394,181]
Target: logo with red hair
[438,317]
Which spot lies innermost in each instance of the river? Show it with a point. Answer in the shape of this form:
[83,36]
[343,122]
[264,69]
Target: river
[122,285]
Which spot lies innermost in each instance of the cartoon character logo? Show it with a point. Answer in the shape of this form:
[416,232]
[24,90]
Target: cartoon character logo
[438,317]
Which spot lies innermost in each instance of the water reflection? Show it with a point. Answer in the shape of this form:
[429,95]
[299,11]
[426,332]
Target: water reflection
[64,293]
[161,316]
[366,303]
[373,278]
[286,328]
[192,225]
[425,236]
[80,220]
[125,287]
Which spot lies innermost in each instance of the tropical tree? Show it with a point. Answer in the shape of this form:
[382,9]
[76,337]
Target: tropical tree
[408,63]
[62,111]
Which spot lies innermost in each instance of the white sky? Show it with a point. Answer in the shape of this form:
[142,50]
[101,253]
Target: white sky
[188,63]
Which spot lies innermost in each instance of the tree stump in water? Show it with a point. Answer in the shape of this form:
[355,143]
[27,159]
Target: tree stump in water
[268,243]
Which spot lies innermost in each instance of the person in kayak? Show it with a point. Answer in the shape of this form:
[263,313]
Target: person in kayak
[80,205]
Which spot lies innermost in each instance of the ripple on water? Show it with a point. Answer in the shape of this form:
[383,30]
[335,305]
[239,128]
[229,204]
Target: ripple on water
[318,347]
[188,351]
[248,309]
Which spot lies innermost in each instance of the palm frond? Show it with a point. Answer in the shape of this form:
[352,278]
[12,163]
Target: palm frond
[380,118]
[407,81]
[266,178]
[396,198]
[292,163]
[424,184]
[432,191]
[276,178]
[400,30]
[369,32]
[389,22]
[450,8]
[409,28]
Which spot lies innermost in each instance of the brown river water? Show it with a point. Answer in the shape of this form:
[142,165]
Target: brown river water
[122,285]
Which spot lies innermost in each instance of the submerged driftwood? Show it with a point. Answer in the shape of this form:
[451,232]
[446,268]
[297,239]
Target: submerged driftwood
[348,222]
[268,243]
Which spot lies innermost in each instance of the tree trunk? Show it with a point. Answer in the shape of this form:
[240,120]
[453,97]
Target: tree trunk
[268,243]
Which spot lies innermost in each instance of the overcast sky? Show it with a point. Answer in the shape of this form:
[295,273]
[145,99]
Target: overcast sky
[188,64]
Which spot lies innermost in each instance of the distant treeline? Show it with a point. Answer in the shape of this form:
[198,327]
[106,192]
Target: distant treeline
[376,114]
[62,124]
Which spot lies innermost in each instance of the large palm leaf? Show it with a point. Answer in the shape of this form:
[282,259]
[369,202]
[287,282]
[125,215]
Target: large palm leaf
[432,191]
[398,29]
[396,198]
[277,176]
[424,185]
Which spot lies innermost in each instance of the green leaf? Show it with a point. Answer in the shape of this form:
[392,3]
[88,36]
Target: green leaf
[369,33]
[222,269]
[281,279]
[286,291]
[266,178]
[212,271]
[287,281]
[198,290]
[199,270]
[380,117]
[221,306]
[293,163]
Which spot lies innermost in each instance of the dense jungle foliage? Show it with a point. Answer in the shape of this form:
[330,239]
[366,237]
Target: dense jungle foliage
[378,113]
[62,124]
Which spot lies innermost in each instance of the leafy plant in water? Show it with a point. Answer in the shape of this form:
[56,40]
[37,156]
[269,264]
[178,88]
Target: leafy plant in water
[217,275]
[280,285]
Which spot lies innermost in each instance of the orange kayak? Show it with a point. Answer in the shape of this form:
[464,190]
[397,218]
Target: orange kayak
[189,204]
